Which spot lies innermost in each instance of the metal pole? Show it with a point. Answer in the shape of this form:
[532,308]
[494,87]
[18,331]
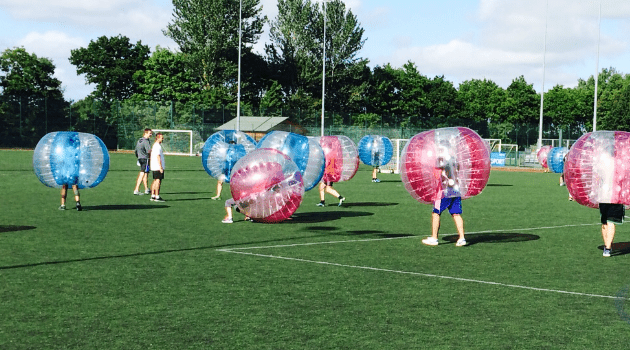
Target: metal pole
[238,89]
[542,92]
[324,67]
[599,25]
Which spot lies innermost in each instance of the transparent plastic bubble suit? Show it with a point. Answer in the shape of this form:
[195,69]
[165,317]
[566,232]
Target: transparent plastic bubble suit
[542,154]
[222,150]
[267,185]
[555,159]
[597,169]
[375,150]
[342,158]
[70,158]
[447,162]
[305,152]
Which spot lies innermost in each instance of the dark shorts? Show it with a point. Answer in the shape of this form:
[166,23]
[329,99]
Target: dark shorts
[454,205]
[144,165]
[157,175]
[612,213]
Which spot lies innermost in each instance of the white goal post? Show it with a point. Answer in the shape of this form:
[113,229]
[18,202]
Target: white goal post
[177,142]
[394,164]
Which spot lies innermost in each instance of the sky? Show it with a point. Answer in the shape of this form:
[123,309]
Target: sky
[498,40]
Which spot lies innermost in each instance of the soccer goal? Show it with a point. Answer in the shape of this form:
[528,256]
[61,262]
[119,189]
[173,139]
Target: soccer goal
[179,142]
[394,164]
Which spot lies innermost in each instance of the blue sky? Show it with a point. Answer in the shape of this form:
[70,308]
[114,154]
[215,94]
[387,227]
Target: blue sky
[460,39]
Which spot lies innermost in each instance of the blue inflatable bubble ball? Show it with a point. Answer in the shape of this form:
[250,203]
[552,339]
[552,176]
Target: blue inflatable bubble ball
[375,150]
[555,159]
[305,152]
[222,150]
[70,158]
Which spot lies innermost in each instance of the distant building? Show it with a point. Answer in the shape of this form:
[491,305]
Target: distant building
[257,127]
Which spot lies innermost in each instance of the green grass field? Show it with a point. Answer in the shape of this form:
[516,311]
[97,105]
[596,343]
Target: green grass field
[127,273]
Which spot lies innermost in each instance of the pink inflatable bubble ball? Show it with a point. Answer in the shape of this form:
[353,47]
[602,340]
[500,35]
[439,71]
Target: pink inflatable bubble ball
[597,169]
[342,158]
[447,162]
[267,185]
[542,154]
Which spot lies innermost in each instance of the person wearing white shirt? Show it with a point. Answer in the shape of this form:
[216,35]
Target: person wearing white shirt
[157,167]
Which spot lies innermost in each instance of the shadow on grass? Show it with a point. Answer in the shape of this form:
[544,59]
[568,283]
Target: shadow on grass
[158,252]
[323,216]
[125,207]
[621,248]
[13,228]
[366,204]
[499,185]
[505,237]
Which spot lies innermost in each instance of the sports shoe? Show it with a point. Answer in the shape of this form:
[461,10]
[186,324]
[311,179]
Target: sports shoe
[461,242]
[79,208]
[152,198]
[215,198]
[227,221]
[376,180]
[321,204]
[430,241]
[606,252]
[137,193]
[158,199]
[341,200]
[147,191]
[62,207]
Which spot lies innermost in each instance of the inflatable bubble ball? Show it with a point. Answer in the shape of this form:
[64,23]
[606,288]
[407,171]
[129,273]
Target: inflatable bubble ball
[555,159]
[305,152]
[447,162]
[267,185]
[70,158]
[222,150]
[375,150]
[597,170]
[342,158]
[542,154]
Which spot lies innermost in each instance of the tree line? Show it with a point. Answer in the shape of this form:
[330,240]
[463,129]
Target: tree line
[284,80]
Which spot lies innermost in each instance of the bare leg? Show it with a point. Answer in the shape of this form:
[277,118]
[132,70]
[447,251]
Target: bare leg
[459,223]
[332,191]
[140,179]
[435,225]
[322,188]
[608,234]
[219,189]
[64,193]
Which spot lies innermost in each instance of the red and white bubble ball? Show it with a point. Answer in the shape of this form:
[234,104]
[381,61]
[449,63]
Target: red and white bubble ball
[446,162]
[267,185]
[597,169]
[342,158]
[542,154]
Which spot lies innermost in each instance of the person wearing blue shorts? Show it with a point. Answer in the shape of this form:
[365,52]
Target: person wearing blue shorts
[454,206]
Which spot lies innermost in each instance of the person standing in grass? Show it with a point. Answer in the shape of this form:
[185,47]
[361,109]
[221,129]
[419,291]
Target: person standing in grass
[143,151]
[157,167]
[64,193]
[447,173]
[326,186]
[611,214]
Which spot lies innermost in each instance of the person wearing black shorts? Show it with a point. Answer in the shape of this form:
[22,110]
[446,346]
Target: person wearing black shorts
[143,152]
[611,214]
[157,167]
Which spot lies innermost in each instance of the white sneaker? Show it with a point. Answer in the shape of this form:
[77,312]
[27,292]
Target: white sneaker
[147,191]
[461,242]
[227,221]
[430,241]
[137,193]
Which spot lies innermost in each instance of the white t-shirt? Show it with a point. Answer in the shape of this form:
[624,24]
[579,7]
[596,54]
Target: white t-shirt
[156,152]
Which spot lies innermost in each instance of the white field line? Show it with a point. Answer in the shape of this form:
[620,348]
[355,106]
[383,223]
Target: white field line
[240,251]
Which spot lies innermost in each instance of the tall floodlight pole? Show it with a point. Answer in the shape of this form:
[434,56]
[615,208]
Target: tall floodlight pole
[238,87]
[542,92]
[324,66]
[599,28]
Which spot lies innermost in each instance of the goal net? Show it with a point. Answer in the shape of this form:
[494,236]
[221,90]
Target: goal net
[394,164]
[180,142]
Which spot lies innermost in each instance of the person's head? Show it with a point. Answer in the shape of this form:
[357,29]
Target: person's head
[147,133]
[159,137]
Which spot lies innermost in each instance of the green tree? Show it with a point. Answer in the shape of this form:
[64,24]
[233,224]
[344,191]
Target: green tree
[479,103]
[110,64]
[522,104]
[166,77]
[31,98]
[207,31]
